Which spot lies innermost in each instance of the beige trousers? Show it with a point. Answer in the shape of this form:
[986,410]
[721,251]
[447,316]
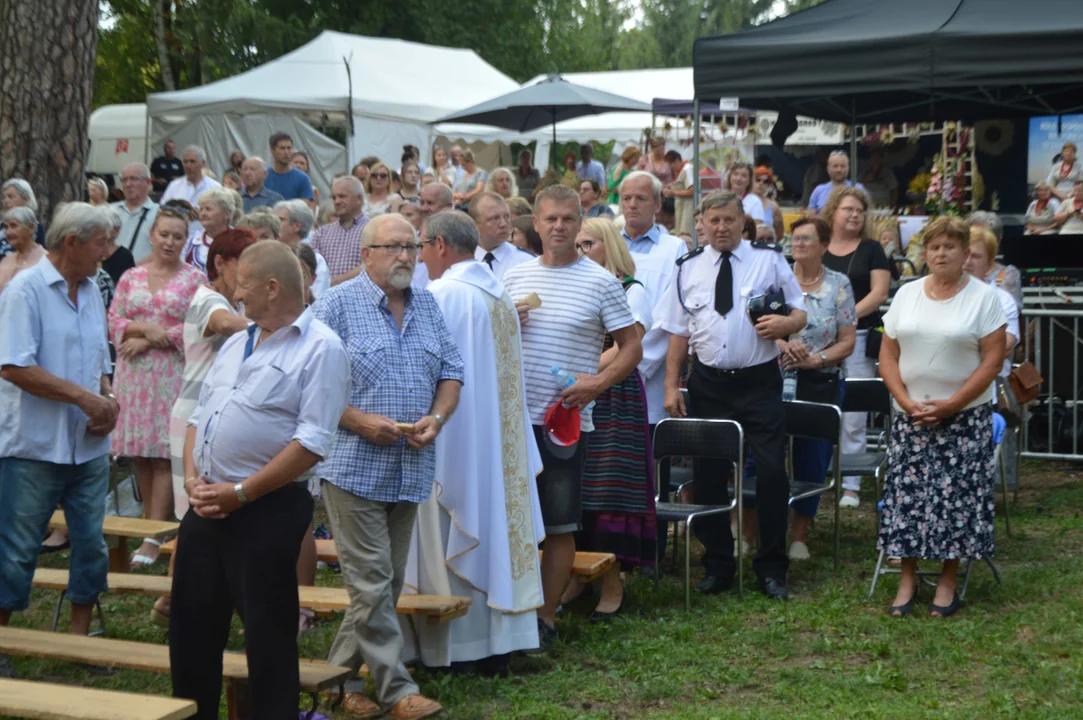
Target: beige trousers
[373,541]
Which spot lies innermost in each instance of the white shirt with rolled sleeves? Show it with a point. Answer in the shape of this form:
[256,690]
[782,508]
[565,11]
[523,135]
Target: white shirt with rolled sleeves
[731,342]
[294,386]
[40,326]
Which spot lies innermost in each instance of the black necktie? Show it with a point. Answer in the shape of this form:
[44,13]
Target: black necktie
[489,257]
[723,286]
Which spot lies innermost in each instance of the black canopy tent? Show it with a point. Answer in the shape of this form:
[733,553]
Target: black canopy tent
[903,60]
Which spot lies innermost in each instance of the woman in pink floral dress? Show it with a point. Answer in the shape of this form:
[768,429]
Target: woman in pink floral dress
[146,324]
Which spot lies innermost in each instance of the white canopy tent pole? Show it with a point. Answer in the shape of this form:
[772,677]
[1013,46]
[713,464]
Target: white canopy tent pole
[695,164]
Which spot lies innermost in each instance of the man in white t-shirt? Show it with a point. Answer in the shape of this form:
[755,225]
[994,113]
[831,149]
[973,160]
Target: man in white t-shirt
[491,214]
[580,303]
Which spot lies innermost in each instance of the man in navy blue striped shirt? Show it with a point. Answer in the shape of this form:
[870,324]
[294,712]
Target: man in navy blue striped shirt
[407,373]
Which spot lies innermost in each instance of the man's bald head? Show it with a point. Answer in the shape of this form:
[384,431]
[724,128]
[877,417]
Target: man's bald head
[435,197]
[274,261]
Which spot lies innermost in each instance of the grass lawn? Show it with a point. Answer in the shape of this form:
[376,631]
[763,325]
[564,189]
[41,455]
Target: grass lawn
[1013,651]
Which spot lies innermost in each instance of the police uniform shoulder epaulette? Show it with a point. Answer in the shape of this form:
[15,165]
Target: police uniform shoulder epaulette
[766,246]
[522,250]
[688,256]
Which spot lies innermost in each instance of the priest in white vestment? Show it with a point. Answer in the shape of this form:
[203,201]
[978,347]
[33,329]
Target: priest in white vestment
[478,534]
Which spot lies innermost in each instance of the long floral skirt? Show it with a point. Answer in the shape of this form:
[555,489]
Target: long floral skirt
[938,495]
[618,480]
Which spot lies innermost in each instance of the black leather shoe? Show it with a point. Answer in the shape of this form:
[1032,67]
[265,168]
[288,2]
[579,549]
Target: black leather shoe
[774,589]
[714,584]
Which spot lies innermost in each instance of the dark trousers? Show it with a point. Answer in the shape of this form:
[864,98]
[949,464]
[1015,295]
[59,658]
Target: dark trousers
[247,562]
[752,397]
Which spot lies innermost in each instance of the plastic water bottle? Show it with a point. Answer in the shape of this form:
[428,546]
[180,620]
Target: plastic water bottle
[565,380]
[789,386]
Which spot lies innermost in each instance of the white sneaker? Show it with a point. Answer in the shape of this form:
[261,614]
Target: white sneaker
[746,549]
[798,550]
[849,501]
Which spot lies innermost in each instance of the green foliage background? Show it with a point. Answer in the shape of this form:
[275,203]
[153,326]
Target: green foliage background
[211,39]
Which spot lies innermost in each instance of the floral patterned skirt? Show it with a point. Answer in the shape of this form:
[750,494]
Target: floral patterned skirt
[938,495]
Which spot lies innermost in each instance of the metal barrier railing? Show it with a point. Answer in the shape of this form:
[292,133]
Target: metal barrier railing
[1051,340]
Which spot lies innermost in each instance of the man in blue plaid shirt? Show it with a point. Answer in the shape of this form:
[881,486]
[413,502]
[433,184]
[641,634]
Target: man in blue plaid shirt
[407,373]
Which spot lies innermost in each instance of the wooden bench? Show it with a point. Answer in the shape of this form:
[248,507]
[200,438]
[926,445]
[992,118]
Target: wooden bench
[437,608]
[128,655]
[123,528]
[588,566]
[22,699]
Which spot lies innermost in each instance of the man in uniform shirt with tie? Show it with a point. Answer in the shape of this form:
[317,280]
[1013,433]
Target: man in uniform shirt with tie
[493,218]
[735,376]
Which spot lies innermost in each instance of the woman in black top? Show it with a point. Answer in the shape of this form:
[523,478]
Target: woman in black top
[118,259]
[863,261]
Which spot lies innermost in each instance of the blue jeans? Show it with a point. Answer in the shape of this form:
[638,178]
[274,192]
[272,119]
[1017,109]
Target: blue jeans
[30,490]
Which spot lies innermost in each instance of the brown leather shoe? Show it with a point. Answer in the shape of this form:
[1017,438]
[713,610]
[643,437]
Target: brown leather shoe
[413,707]
[358,705]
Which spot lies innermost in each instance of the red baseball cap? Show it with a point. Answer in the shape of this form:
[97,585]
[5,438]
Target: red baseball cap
[561,430]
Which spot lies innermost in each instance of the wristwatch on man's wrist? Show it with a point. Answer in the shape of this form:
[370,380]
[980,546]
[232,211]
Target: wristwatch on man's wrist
[241,497]
[823,360]
[439,418]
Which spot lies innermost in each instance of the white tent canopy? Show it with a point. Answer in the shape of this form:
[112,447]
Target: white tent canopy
[392,88]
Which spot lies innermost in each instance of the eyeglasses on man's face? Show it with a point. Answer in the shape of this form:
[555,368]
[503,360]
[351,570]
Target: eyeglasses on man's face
[396,249]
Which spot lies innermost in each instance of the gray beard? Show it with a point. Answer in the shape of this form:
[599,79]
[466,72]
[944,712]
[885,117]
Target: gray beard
[400,279]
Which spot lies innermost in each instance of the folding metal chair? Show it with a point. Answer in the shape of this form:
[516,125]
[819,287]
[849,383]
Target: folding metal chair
[868,395]
[814,421]
[703,438]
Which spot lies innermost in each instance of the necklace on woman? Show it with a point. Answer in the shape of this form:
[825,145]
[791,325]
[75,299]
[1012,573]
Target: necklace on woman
[813,281]
[938,299]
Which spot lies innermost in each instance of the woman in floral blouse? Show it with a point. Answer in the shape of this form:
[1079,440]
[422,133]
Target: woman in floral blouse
[816,354]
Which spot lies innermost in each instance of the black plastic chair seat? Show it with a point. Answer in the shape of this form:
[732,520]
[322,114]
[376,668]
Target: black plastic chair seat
[676,512]
[679,476]
[861,464]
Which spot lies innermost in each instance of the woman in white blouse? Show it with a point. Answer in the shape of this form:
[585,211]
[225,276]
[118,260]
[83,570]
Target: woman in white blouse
[943,346]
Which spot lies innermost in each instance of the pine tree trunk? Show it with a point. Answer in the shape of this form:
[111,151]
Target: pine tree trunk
[47,53]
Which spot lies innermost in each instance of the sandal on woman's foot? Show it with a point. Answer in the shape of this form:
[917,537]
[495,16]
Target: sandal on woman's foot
[945,611]
[904,609]
[139,560]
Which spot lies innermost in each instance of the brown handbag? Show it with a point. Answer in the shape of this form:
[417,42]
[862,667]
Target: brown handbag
[1026,382]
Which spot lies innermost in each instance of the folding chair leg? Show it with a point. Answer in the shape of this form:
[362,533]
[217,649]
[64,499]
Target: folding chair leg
[657,568]
[56,613]
[993,568]
[838,523]
[688,564]
[1004,490]
[966,579]
[876,574]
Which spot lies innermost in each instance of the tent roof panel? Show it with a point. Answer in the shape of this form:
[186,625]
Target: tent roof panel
[913,60]
[313,77]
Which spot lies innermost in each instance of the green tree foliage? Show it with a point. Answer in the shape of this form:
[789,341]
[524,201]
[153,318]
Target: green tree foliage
[153,45]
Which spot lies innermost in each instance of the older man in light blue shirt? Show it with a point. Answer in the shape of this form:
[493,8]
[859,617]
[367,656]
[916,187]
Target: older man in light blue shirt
[58,410]
[267,413]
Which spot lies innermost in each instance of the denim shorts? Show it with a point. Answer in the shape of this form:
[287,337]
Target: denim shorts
[30,491]
[560,487]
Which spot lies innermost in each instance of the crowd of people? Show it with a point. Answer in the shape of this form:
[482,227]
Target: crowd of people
[462,365]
